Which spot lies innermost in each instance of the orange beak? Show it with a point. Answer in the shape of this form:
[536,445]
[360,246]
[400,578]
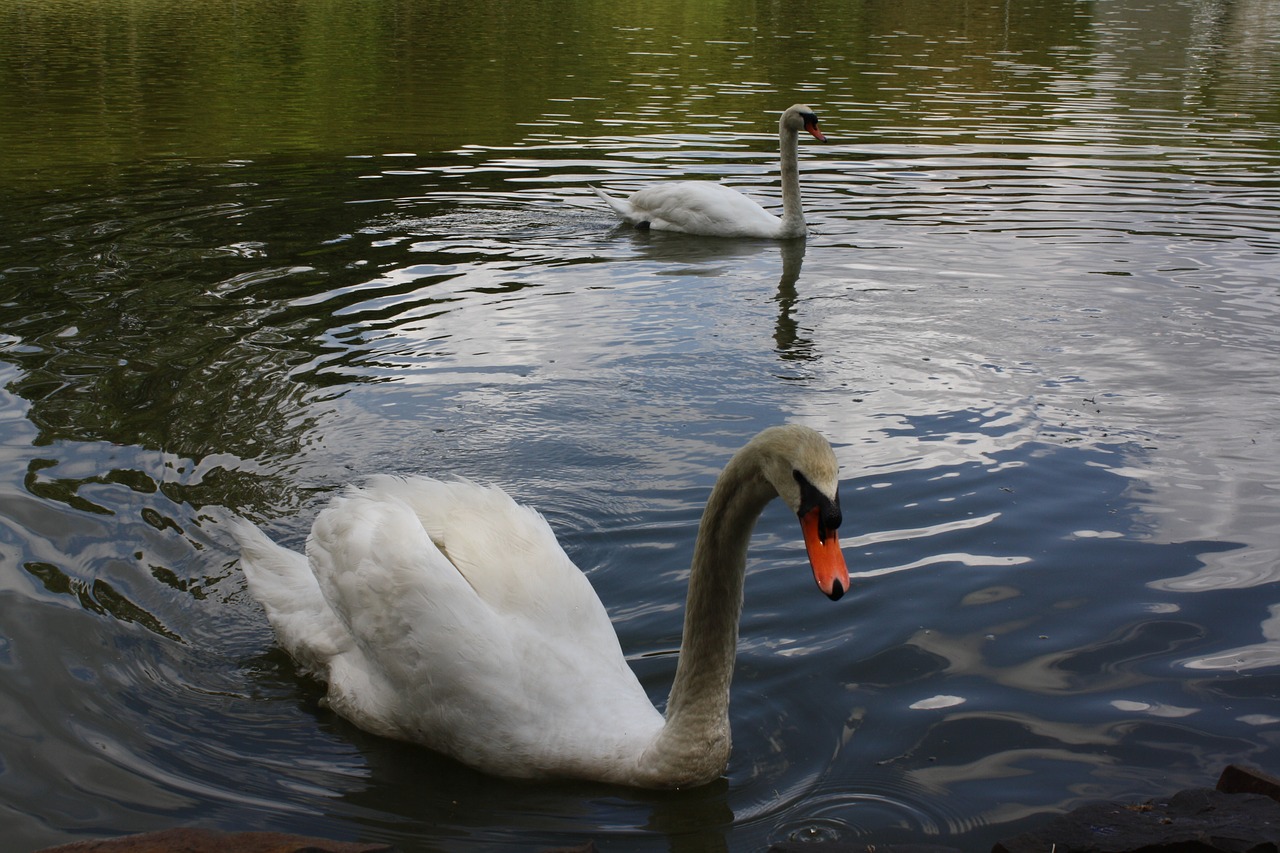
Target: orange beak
[812,127]
[825,556]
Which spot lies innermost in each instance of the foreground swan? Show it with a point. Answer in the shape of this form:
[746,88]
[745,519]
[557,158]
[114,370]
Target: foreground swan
[714,210]
[446,614]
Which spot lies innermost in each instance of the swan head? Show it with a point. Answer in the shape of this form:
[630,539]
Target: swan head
[801,466]
[800,117]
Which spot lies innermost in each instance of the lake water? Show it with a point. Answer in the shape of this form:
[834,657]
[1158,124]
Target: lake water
[250,252]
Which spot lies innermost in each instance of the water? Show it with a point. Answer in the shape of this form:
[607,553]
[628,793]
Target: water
[252,252]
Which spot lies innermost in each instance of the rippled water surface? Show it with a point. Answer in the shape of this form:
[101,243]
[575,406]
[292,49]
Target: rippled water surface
[252,252]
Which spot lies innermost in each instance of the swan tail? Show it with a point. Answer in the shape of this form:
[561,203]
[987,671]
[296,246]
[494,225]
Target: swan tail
[620,206]
[282,582]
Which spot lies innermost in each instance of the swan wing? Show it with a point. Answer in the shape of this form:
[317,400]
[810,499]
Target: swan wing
[477,635]
[704,208]
[506,553]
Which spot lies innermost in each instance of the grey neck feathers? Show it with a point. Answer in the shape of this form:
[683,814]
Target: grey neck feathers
[696,735]
[792,211]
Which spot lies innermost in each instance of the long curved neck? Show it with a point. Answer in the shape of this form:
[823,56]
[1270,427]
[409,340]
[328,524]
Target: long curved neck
[792,211]
[695,738]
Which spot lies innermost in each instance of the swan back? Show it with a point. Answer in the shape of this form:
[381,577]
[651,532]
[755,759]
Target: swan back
[702,208]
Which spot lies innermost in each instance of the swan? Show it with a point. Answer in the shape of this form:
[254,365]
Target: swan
[714,210]
[446,614]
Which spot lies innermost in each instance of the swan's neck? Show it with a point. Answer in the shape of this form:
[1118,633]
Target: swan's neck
[695,740]
[793,224]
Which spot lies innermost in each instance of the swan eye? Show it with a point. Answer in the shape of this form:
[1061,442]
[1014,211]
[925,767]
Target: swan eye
[829,514]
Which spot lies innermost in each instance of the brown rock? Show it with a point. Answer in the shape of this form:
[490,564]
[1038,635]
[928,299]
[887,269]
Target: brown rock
[185,840]
[856,847]
[1200,820]
[1246,780]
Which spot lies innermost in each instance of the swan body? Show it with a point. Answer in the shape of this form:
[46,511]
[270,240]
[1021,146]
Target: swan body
[714,210]
[446,614]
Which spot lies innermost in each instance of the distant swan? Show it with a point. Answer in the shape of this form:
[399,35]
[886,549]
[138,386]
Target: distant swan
[714,210]
[446,614]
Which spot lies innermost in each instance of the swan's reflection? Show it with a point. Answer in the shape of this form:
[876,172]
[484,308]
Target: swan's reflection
[478,811]
[790,344]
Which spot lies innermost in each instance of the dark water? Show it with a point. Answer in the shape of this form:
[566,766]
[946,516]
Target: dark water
[250,252]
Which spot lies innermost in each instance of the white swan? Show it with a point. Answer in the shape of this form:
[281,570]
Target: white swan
[446,614]
[714,210]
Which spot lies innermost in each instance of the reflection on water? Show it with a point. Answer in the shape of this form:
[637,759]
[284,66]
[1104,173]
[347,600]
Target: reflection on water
[1036,314]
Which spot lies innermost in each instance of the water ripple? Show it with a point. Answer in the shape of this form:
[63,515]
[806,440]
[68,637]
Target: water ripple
[1036,315]
[895,811]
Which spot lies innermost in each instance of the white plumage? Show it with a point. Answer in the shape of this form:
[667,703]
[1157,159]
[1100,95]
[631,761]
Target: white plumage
[714,210]
[446,614]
